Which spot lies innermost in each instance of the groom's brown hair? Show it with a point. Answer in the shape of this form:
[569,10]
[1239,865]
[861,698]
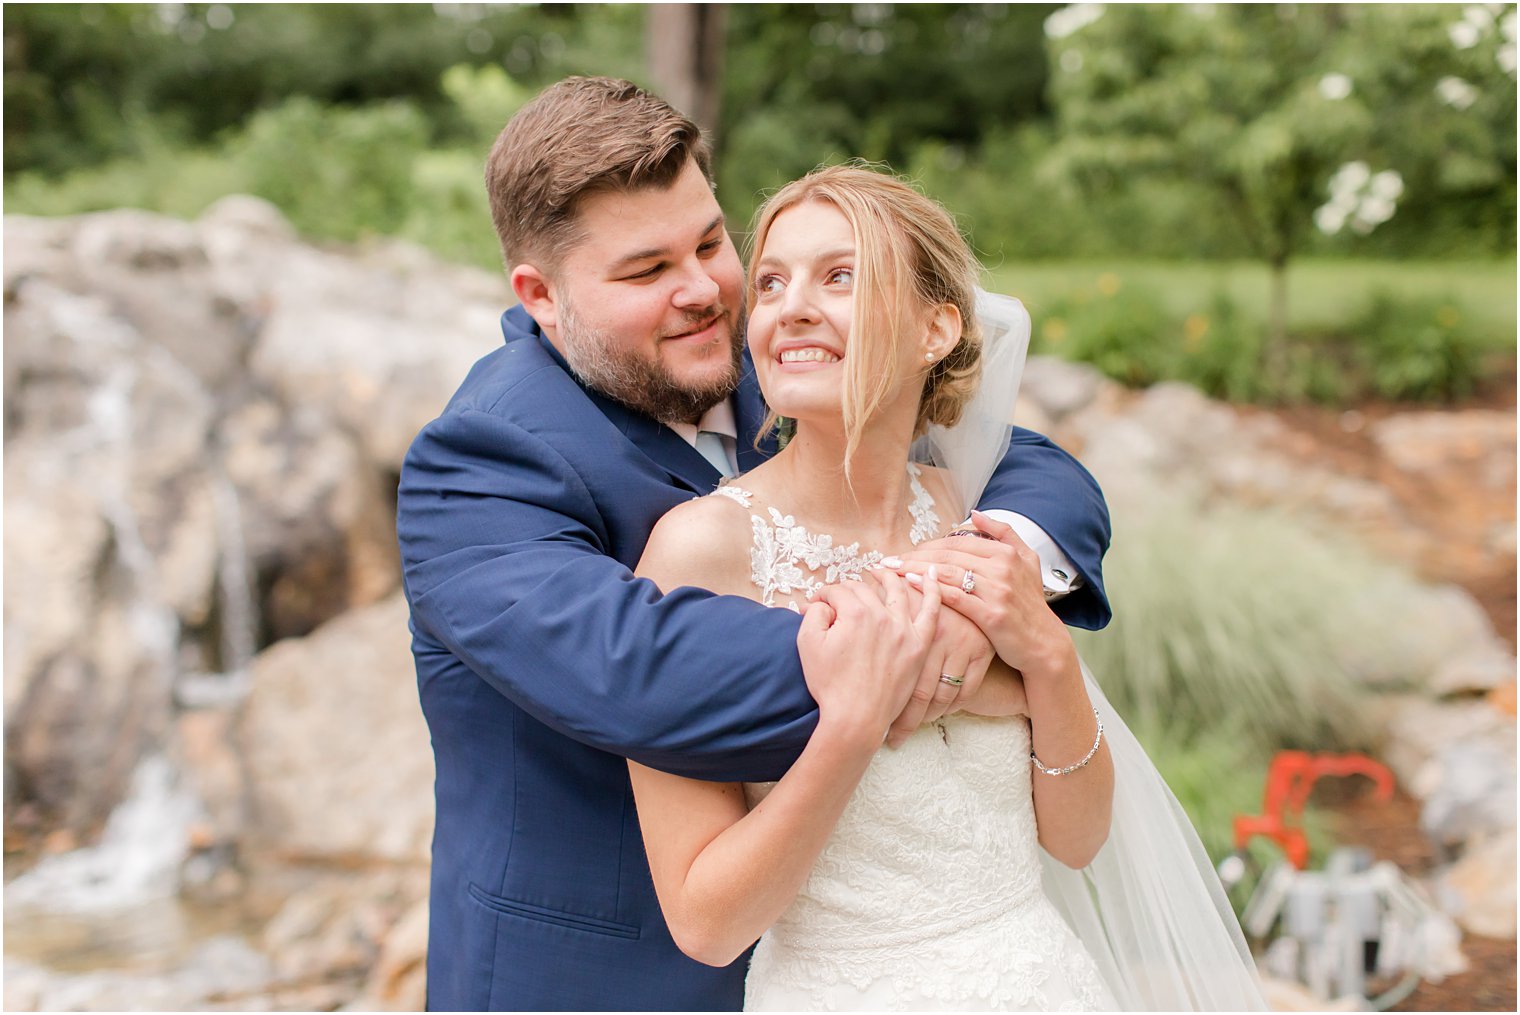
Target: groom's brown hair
[581,136]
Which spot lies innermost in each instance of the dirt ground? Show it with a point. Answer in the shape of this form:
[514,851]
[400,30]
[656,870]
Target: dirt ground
[1456,513]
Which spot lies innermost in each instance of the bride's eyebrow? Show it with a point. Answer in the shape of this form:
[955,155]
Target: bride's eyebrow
[834,254]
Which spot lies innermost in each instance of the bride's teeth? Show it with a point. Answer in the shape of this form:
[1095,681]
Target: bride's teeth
[808,356]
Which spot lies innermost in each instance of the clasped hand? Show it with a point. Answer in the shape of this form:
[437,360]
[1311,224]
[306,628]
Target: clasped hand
[863,647]
[1004,619]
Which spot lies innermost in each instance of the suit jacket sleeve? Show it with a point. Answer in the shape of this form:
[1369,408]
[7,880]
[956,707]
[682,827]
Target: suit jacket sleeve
[1050,488]
[506,563]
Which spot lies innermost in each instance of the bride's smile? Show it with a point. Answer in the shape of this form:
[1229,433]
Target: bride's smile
[802,309]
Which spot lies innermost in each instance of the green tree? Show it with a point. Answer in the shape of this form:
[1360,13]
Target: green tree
[1276,113]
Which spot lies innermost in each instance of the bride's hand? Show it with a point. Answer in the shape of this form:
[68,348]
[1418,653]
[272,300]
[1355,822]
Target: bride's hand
[1007,596]
[863,647]
[960,650]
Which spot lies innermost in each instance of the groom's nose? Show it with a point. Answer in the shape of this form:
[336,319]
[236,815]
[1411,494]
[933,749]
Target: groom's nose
[696,288]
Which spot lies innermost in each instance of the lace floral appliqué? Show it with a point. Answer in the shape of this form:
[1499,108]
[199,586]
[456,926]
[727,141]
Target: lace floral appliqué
[786,558]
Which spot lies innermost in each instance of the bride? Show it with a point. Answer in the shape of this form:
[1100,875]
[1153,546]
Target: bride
[947,873]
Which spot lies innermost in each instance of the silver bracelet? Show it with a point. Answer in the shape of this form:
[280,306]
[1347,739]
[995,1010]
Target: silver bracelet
[1072,768]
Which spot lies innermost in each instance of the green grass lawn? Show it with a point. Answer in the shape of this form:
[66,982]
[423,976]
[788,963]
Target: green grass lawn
[1322,295]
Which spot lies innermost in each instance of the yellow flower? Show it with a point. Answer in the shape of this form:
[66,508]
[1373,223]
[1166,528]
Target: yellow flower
[1108,283]
[1054,331]
[1193,330]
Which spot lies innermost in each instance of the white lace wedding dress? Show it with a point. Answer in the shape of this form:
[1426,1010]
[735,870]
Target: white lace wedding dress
[928,895]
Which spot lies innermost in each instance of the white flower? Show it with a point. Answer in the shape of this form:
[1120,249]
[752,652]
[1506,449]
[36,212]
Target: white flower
[1344,201]
[1330,219]
[1335,86]
[1455,92]
[1463,35]
[1506,58]
[1375,210]
[1480,18]
[1361,197]
[1387,185]
[1507,26]
[1351,176]
[1072,18]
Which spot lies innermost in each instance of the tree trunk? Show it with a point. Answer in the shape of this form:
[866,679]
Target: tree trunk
[683,45]
[1277,322]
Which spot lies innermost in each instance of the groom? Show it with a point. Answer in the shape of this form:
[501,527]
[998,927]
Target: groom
[620,391]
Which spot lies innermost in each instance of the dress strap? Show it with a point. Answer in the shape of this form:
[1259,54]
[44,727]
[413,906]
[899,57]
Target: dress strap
[737,494]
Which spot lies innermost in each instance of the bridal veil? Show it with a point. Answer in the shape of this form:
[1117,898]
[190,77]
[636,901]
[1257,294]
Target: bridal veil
[1149,908]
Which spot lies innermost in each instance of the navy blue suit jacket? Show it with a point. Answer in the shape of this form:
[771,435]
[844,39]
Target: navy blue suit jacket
[542,663]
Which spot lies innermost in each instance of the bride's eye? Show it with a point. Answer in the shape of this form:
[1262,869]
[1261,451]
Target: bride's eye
[768,285]
[841,276]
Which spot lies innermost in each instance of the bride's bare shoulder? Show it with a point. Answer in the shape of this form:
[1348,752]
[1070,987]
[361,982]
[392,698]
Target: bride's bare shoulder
[703,542]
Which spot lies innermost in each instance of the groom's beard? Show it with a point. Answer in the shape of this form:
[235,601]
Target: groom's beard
[639,380]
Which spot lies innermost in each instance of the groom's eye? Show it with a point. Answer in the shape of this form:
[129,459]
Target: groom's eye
[647,273]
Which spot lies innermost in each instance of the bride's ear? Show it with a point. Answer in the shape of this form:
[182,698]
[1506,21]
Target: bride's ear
[944,331]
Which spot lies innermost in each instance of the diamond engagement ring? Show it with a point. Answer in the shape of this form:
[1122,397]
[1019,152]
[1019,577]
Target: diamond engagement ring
[968,583]
[946,678]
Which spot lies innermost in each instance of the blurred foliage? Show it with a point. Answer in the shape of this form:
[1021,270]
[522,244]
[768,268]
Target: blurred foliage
[1217,658]
[1216,631]
[1410,348]
[1277,115]
[1418,348]
[336,172]
[1182,132]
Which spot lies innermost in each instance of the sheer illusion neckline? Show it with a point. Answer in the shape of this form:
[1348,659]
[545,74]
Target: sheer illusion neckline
[788,558]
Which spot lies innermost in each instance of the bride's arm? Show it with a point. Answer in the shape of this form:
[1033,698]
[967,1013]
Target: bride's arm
[724,874]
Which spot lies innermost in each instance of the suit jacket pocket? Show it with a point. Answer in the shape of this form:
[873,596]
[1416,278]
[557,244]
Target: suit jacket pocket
[574,921]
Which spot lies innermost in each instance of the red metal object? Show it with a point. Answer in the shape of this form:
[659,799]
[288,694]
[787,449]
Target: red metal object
[1290,780]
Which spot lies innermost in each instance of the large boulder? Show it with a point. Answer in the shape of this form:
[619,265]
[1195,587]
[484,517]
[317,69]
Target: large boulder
[338,754]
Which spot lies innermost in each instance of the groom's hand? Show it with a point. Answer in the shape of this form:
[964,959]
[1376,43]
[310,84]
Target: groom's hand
[960,649]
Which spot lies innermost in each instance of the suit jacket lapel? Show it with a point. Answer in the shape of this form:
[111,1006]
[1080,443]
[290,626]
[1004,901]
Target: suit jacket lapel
[662,444]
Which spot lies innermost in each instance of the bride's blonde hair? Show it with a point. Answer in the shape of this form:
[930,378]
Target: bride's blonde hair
[909,260]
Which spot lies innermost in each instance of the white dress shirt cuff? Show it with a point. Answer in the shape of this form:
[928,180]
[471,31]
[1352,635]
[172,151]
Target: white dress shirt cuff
[1060,577]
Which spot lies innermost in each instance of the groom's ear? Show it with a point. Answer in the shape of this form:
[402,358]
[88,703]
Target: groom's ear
[944,330]
[533,291]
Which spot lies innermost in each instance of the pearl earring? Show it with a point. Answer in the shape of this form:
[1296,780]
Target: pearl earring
[928,357]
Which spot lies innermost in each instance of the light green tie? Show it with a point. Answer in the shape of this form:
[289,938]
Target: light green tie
[710,446]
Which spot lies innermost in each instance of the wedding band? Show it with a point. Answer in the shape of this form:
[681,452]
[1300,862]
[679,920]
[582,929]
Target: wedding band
[972,532]
[968,583]
[946,678]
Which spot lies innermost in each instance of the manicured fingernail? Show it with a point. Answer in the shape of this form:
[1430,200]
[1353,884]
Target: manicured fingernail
[892,562]
[914,580]
[933,573]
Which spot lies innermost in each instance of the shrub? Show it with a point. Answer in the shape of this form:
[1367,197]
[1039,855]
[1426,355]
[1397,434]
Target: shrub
[1124,332]
[1239,620]
[337,173]
[1416,348]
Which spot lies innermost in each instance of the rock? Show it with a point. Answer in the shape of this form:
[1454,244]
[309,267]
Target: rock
[1419,729]
[398,981]
[1286,995]
[326,715]
[1478,443]
[1479,889]
[1059,387]
[1484,668]
[1468,790]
